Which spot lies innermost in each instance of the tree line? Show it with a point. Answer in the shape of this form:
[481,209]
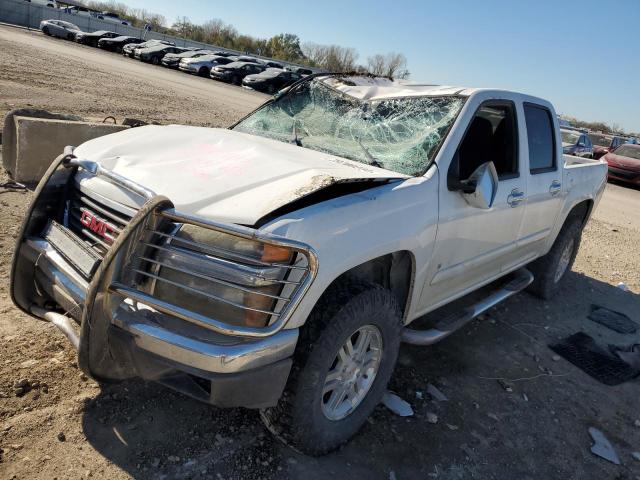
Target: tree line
[284,46]
[613,128]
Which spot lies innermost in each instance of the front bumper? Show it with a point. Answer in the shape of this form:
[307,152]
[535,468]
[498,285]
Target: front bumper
[118,338]
[189,68]
[223,77]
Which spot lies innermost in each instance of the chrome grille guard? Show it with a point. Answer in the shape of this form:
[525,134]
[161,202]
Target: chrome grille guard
[112,283]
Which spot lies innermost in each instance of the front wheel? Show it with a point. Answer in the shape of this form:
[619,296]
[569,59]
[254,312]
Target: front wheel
[155,60]
[343,362]
[550,270]
[45,30]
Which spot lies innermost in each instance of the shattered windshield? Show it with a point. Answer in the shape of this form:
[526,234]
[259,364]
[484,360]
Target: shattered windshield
[398,134]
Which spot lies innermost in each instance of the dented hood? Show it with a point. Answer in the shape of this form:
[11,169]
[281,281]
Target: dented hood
[218,174]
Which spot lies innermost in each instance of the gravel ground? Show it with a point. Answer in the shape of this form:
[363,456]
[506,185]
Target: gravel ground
[56,423]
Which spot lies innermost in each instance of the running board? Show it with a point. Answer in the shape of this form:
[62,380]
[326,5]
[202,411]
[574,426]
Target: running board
[455,321]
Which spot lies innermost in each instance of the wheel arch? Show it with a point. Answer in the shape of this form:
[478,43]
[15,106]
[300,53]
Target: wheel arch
[394,271]
[582,210]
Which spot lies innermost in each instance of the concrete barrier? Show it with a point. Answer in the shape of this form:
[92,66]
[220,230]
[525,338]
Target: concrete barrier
[38,141]
[9,131]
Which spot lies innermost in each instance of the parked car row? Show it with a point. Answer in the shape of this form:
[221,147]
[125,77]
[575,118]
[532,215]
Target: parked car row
[622,154]
[267,76]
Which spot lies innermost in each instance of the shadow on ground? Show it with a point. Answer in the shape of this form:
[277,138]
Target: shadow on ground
[537,430]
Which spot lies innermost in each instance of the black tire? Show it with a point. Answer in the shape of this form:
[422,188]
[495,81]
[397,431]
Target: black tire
[203,72]
[155,60]
[236,80]
[71,37]
[298,419]
[547,268]
[271,89]
[45,30]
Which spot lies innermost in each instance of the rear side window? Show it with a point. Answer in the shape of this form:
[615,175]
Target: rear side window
[542,151]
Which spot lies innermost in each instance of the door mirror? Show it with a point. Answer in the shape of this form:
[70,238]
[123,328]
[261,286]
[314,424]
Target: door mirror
[480,189]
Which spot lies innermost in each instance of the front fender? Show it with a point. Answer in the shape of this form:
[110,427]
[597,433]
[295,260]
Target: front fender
[351,230]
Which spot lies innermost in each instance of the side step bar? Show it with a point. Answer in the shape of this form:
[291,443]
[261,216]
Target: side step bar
[455,321]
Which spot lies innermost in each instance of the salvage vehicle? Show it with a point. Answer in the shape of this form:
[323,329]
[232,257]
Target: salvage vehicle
[278,264]
[116,44]
[234,72]
[91,39]
[576,143]
[59,28]
[271,80]
[202,65]
[155,53]
[300,70]
[624,164]
[129,50]
[172,60]
[603,144]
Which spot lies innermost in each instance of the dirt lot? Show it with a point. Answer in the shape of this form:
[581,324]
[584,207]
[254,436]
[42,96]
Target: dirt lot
[66,426]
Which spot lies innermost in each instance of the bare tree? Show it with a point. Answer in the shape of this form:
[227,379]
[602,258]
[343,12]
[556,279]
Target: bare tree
[392,65]
[331,57]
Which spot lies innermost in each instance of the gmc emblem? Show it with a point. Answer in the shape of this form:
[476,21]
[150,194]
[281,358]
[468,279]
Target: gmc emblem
[97,225]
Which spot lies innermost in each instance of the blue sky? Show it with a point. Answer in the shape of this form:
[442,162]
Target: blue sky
[583,55]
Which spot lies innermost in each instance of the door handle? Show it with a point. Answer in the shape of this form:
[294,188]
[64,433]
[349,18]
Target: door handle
[515,198]
[555,187]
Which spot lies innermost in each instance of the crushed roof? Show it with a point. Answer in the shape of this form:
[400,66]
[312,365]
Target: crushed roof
[376,88]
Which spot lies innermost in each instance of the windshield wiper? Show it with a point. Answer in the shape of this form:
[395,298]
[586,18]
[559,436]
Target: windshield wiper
[371,158]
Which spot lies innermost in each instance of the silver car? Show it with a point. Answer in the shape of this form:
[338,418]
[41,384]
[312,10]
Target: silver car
[59,28]
[202,65]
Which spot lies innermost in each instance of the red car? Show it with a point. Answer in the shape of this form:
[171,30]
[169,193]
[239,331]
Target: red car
[603,144]
[624,164]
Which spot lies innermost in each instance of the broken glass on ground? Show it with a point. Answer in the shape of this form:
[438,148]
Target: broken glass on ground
[602,446]
[397,405]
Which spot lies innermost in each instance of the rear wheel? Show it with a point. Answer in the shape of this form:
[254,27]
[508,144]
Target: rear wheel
[155,60]
[203,72]
[235,80]
[271,89]
[70,36]
[550,270]
[343,362]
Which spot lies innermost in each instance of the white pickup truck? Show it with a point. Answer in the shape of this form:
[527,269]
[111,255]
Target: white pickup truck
[279,264]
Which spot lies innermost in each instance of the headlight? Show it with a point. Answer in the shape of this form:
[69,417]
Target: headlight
[225,277]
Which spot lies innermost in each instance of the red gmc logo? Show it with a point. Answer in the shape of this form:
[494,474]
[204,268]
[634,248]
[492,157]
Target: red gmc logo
[97,225]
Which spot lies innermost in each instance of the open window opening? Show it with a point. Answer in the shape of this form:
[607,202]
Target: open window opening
[492,136]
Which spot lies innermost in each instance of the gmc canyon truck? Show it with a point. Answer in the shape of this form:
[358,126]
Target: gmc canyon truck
[279,264]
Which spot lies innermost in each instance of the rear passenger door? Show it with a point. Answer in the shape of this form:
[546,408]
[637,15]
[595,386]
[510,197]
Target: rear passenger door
[544,179]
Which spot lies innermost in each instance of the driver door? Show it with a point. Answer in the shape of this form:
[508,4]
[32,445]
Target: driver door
[474,245]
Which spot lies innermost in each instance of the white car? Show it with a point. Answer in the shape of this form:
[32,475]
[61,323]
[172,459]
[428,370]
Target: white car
[112,18]
[280,263]
[59,28]
[202,65]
